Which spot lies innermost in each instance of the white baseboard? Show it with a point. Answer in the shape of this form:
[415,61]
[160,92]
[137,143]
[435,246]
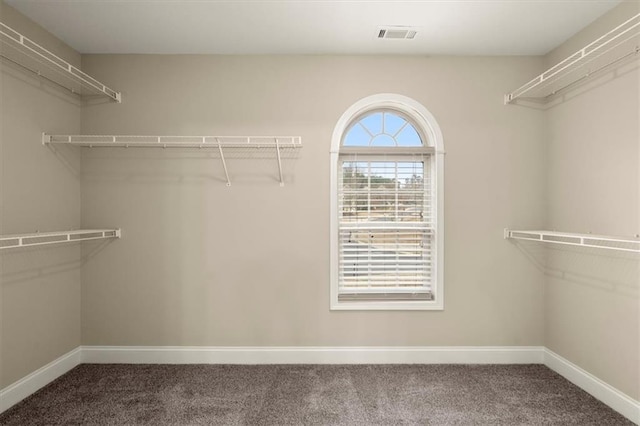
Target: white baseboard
[615,399]
[26,386]
[312,355]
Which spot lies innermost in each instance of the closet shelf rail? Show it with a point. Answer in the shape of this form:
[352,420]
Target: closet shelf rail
[613,47]
[32,57]
[140,141]
[583,240]
[46,238]
[275,144]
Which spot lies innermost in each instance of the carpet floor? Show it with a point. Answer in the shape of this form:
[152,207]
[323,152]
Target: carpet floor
[110,394]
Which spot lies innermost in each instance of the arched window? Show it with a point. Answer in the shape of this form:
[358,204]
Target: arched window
[386,207]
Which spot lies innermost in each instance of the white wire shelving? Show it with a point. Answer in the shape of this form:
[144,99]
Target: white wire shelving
[46,238]
[34,58]
[629,244]
[221,144]
[612,48]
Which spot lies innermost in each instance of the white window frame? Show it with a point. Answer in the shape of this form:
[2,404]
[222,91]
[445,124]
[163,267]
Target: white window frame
[427,126]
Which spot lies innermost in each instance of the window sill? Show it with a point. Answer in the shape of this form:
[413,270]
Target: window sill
[387,306]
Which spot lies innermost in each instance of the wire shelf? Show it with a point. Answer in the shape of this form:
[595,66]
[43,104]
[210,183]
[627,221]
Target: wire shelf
[273,144]
[614,47]
[141,141]
[573,239]
[46,238]
[34,58]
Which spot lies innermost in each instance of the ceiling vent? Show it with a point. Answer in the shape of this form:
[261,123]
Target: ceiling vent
[397,33]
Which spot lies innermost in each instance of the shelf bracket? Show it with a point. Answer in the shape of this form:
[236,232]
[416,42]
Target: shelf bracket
[224,163]
[279,162]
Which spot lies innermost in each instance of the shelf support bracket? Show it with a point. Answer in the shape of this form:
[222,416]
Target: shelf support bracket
[224,163]
[279,162]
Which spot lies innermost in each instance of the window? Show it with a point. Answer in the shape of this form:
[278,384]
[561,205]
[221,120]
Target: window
[386,207]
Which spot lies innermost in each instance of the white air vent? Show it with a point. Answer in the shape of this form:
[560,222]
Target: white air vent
[397,33]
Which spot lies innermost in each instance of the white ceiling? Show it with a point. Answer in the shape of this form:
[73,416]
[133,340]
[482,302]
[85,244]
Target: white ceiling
[446,27]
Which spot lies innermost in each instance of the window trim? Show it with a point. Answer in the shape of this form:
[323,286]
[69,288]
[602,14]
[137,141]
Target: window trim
[427,125]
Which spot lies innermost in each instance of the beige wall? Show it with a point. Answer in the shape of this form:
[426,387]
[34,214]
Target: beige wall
[592,297]
[204,264]
[39,288]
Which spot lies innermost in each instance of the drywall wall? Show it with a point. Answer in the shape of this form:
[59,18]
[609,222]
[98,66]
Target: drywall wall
[201,263]
[592,296]
[40,190]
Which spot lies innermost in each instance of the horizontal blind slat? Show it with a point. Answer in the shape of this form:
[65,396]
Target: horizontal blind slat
[386,228]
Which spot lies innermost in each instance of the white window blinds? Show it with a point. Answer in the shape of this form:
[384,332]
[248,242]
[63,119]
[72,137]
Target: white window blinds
[386,229]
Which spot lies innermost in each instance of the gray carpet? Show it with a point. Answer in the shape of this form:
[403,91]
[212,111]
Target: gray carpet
[311,395]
